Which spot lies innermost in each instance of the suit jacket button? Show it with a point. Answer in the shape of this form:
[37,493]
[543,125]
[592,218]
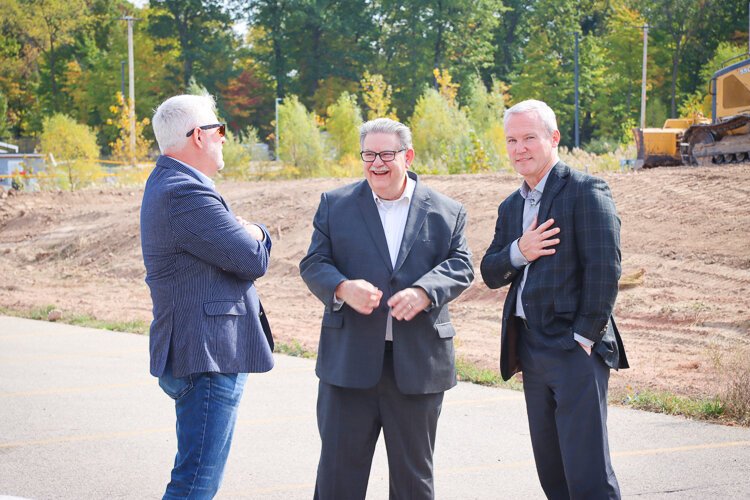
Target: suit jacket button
[507,275]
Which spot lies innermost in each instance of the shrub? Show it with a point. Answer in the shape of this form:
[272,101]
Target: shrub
[376,94]
[442,136]
[121,121]
[300,141]
[74,149]
[344,119]
[485,113]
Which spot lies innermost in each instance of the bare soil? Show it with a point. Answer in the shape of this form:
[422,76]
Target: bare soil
[684,229]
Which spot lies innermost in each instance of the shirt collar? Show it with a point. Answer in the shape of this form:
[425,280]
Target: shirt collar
[407,194]
[203,177]
[526,191]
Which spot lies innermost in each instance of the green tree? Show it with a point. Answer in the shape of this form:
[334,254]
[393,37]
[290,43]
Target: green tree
[442,136]
[300,142]
[418,36]
[48,26]
[342,125]
[485,113]
[203,31]
[74,149]
[4,129]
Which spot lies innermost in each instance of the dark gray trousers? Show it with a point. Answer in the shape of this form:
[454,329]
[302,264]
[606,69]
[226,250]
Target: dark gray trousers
[566,402]
[349,421]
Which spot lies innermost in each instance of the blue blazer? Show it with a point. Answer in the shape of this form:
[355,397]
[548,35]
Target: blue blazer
[573,290]
[348,242]
[201,265]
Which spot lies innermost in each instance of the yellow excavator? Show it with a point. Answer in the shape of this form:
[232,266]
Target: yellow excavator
[698,140]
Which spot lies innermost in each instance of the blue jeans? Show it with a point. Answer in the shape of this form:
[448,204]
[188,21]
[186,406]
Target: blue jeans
[206,405]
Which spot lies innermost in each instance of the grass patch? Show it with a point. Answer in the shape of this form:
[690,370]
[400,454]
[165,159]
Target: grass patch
[294,349]
[133,326]
[671,404]
[470,372]
[41,313]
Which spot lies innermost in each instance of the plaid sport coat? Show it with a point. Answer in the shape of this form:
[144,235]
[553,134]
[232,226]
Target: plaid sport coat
[573,290]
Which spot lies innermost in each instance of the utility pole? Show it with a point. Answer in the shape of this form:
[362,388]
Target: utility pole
[578,137]
[131,96]
[276,133]
[122,78]
[643,76]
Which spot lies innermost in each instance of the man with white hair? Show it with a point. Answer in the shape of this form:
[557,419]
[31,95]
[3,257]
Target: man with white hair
[209,329]
[557,243]
[387,256]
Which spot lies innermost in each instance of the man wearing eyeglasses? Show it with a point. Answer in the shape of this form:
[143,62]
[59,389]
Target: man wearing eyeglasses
[387,256]
[209,330]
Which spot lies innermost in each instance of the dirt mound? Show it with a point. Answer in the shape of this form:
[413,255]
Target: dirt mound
[683,228]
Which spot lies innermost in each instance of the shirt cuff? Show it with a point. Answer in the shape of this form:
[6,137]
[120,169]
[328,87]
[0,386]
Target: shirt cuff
[583,340]
[337,303]
[516,257]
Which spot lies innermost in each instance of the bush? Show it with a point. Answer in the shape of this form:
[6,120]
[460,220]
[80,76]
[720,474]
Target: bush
[300,141]
[485,113]
[442,137]
[344,120]
[74,149]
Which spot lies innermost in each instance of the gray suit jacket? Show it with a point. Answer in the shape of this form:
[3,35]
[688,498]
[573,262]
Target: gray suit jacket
[573,290]
[348,242]
[201,265]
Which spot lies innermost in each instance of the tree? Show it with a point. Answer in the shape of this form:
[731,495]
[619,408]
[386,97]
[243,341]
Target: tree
[376,94]
[342,125]
[247,99]
[300,142]
[485,113]
[541,76]
[442,136]
[4,129]
[204,34]
[418,36]
[74,149]
[48,26]
[121,121]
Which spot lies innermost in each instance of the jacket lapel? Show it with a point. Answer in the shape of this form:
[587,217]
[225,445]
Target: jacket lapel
[558,176]
[418,209]
[371,218]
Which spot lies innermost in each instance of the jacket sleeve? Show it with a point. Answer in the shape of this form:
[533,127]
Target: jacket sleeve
[205,228]
[597,229]
[317,268]
[453,275]
[496,267]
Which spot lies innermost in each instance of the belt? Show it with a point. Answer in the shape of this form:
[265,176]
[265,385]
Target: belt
[523,322]
[388,345]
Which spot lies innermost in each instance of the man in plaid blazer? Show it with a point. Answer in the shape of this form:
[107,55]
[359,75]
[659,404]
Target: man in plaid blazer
[209,330]
[557,243]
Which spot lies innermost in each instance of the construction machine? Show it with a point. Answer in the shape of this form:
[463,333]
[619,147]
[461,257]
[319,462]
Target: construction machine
[698,140]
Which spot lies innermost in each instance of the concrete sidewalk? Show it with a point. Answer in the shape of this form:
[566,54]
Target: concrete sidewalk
[80,418]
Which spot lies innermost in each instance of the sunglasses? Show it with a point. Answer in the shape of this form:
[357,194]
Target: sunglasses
[222,129]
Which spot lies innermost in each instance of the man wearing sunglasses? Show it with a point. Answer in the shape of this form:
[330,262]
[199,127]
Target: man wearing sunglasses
[209,330]
[387,256]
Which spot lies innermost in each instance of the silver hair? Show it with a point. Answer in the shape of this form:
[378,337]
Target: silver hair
[386,126]
[541,109]
[179,114]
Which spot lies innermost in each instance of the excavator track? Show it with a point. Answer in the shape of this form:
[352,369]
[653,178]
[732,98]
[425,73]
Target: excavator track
[717,143]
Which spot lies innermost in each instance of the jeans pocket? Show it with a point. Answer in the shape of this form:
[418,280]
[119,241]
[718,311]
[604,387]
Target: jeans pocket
[175,387]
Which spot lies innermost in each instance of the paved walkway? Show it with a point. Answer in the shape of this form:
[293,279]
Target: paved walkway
[81,418]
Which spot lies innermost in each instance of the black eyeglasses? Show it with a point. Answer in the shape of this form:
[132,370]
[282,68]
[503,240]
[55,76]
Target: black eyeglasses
[222,128]
[369,156]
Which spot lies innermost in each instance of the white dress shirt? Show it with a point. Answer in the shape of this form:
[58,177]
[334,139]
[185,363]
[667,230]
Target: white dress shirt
[393,215]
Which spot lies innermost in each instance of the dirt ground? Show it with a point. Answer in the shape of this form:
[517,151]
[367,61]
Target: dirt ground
[685,229]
